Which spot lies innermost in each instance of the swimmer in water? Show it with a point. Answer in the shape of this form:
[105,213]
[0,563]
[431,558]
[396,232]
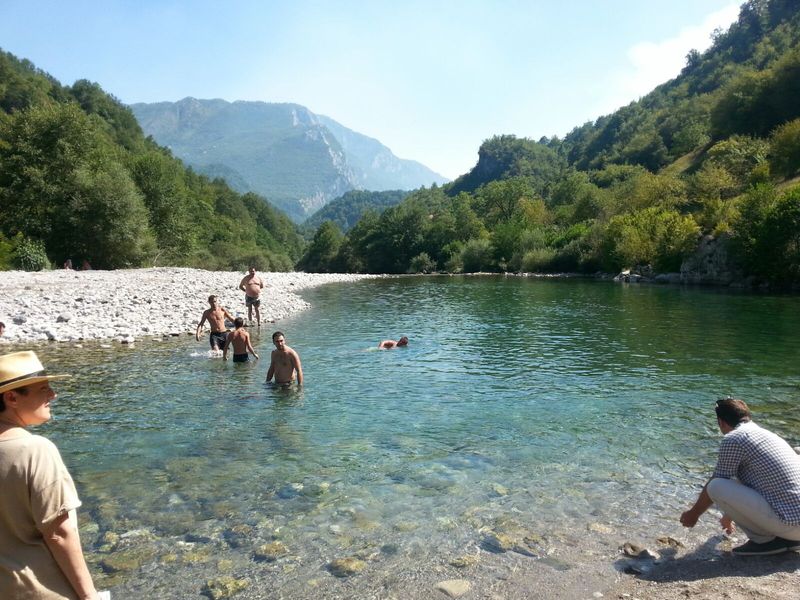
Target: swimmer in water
[386,344]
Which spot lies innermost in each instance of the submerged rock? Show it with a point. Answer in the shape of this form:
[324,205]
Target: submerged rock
[454,588]
[467,560]
[224,587]
[270,552]
[497,542]
[599,528]
[346,567]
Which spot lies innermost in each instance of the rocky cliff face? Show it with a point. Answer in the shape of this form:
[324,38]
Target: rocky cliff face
[710,264]
[296,159]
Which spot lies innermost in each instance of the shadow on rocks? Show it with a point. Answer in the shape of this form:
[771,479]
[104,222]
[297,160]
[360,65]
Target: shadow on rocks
[707,562]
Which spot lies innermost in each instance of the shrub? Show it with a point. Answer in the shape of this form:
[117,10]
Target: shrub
[538,260]
[30,255]
[422,263]
[476,256]
[6,253]
[785,149]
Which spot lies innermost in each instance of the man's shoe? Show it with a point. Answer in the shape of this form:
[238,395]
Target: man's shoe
[790,544]
[775,546]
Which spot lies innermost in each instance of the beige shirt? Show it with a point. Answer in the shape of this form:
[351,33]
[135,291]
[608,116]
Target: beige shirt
[35,488]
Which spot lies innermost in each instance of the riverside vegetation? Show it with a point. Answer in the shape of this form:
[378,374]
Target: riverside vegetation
[713,154]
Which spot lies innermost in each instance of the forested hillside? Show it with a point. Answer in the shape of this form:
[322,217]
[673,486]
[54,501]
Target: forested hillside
[79,181]
[710,158]
[346,210]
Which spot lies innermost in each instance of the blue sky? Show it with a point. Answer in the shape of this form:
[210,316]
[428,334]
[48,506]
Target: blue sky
[430,80]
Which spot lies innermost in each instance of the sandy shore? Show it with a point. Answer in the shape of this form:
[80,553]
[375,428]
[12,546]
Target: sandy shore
[126,305]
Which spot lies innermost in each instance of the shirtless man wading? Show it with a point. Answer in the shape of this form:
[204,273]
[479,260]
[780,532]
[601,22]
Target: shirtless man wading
[215,316]
[240,340]
[284,362]
[252,285]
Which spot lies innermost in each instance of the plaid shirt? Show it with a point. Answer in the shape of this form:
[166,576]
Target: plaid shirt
[765,462]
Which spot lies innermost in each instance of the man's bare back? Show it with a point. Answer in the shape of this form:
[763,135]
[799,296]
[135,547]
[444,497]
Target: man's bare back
[240,340]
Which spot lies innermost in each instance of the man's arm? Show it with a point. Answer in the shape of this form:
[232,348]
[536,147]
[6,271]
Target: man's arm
[200,326]
[64,543]
[690,517]
[228,315]
[241,284]
[298,367]
[225,347]
[271,370]
[261,283]
[250,348]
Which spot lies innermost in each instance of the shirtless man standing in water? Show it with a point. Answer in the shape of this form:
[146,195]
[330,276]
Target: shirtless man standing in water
[284,362]
[215,316]
[252,285]
[240,340]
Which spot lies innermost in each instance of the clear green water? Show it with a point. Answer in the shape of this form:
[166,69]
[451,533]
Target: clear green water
[520,404]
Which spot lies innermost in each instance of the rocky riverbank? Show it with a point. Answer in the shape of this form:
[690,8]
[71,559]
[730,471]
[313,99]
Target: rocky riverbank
[126,305]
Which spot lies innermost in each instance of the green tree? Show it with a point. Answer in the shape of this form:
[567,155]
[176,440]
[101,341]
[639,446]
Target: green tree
[785,149]
[321,254]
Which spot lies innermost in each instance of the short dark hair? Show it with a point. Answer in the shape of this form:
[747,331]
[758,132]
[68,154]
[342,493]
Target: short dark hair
[212,297]
[277,334]
[238,322]
[732,411]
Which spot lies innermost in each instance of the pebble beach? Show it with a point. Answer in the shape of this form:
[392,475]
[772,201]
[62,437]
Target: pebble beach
[128,305]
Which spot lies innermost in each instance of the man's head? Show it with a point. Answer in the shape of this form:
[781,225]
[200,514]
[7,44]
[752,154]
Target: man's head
[252,270]
[2,328]
[238,322]
[212,299]
[732,411]
[279,340]
[403,341]
[25,388]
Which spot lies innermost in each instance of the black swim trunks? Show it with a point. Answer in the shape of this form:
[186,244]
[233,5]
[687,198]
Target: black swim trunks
[250,301]
[217,338]
[241,357]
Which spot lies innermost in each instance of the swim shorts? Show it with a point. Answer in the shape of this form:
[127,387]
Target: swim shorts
[250,301]
[241,357]
[217,338]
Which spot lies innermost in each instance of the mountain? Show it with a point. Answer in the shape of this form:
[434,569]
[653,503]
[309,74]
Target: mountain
[296,159]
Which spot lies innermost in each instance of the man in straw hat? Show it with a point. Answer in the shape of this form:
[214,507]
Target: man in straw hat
[40,551]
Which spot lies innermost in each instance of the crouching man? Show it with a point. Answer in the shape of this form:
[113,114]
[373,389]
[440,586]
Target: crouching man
[756,484]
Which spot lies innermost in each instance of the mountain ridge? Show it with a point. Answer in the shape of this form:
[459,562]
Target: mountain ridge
[295,158]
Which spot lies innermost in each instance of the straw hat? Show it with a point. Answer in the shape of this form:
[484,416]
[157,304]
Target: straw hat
[20,369]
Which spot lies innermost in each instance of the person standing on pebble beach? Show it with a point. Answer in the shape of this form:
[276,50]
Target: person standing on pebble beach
[215,316]
[252,285]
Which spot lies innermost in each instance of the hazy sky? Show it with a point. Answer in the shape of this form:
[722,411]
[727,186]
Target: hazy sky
[429,79]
